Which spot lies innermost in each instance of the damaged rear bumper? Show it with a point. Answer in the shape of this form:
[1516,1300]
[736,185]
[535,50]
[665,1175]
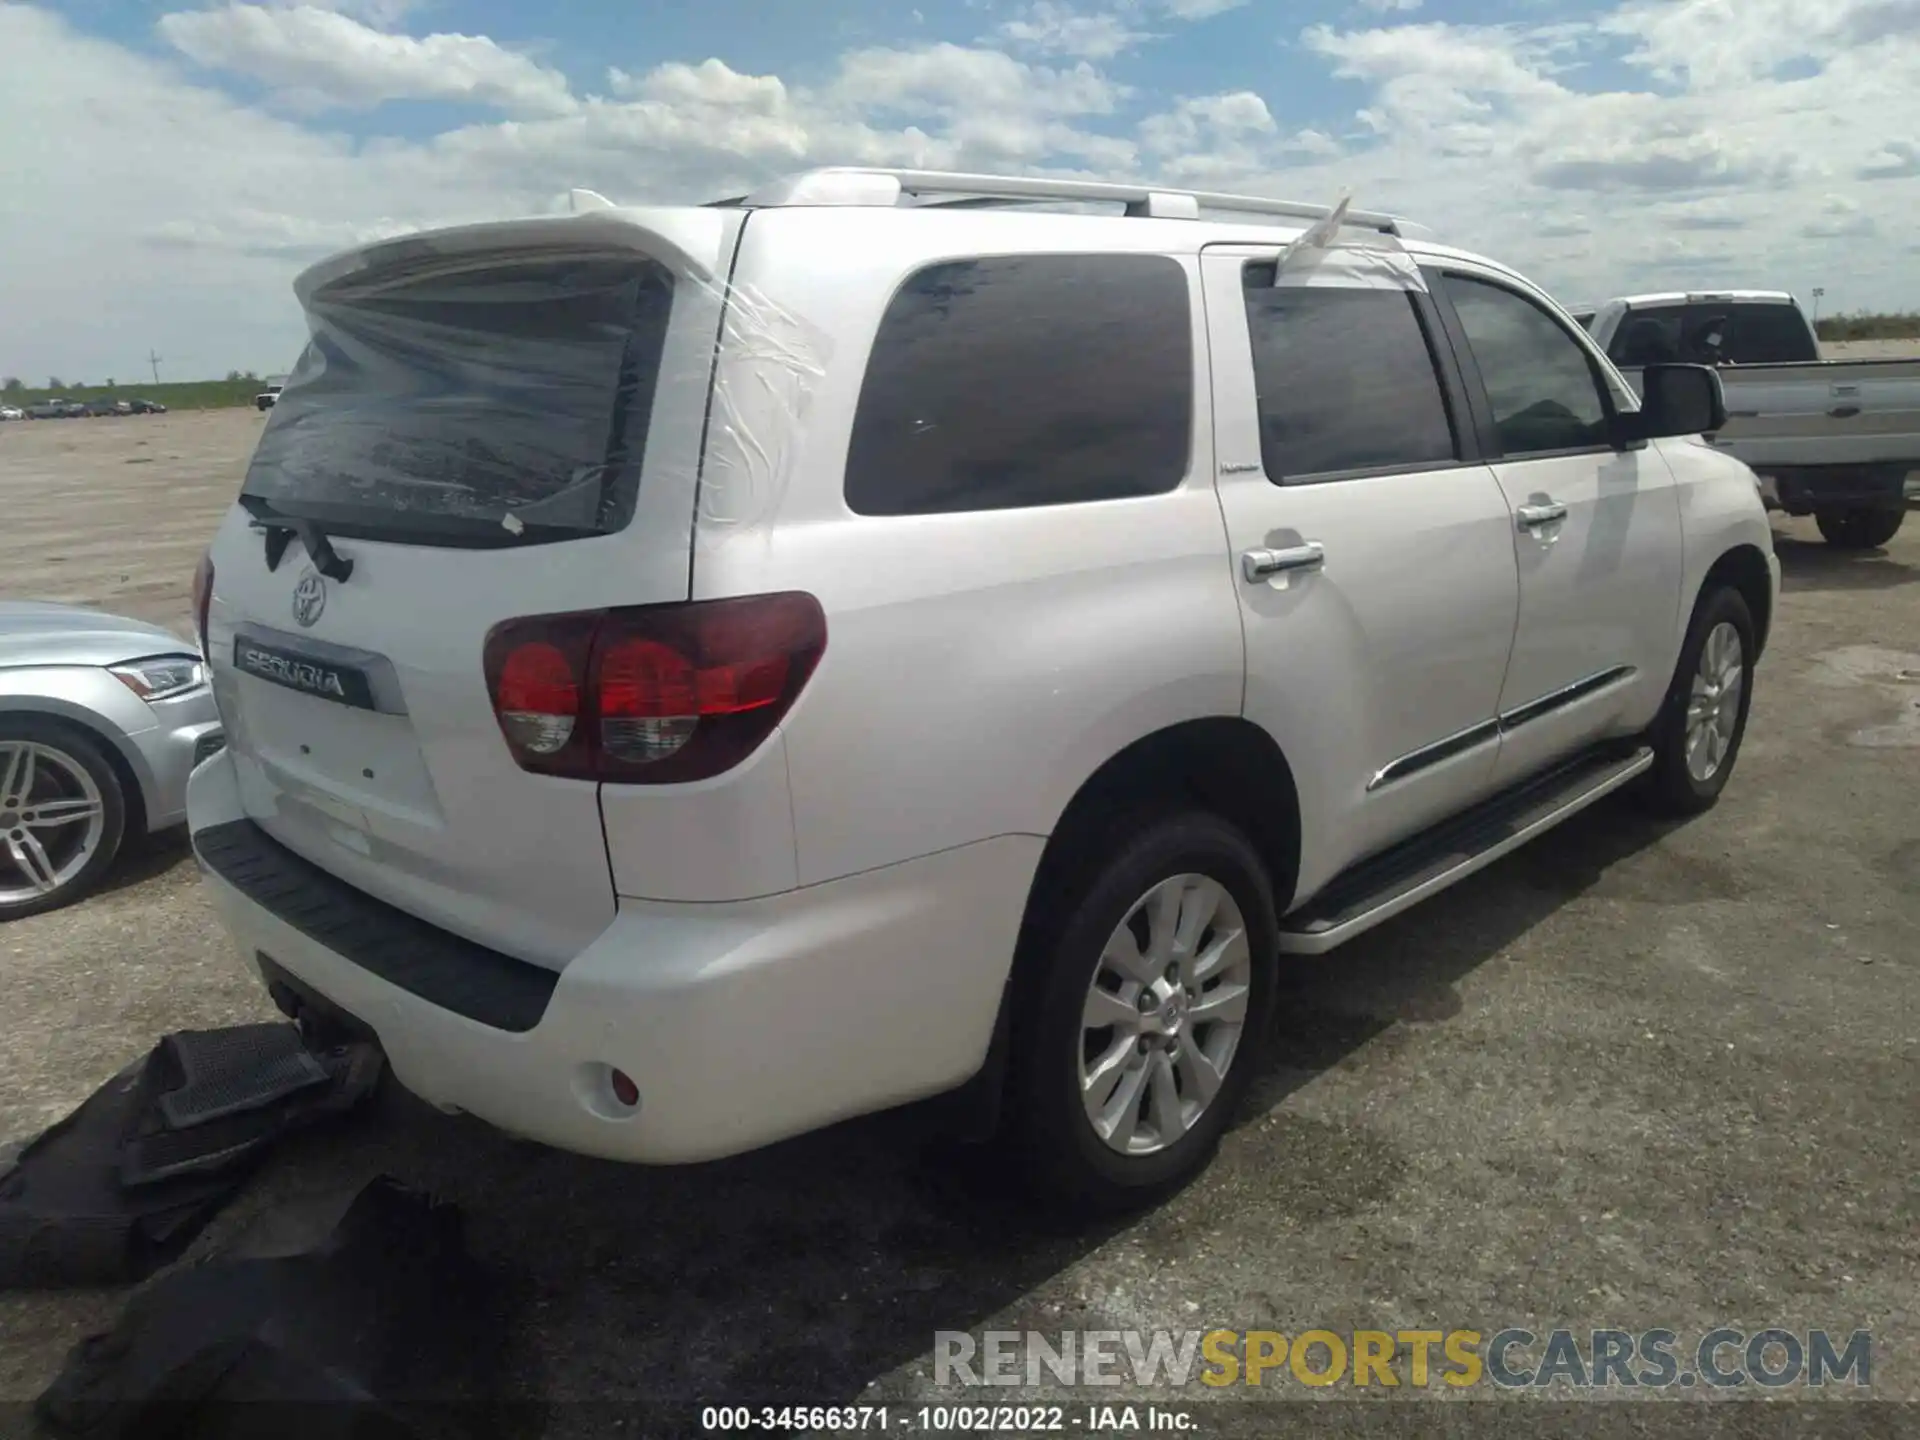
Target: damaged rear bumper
[739,1024]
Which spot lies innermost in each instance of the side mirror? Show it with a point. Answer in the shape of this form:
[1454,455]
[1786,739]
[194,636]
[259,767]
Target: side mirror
[1679,400]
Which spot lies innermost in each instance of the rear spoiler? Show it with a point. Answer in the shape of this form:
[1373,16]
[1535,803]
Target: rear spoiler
[688,240]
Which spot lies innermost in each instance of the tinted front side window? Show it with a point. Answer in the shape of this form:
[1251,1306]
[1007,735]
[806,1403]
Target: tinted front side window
[1026,380]
[1344,378]
[1538,380]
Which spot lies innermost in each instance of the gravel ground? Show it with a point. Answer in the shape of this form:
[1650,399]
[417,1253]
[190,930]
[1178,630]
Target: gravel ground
[1630,1077]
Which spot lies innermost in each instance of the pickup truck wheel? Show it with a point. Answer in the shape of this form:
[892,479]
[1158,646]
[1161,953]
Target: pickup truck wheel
[1140,1016]
[1697,736]
[1859,528]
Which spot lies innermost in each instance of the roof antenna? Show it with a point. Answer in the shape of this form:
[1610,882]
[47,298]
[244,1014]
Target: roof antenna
[581,201]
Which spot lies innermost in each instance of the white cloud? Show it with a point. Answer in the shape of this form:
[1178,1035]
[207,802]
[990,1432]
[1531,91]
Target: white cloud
[710,84]
[1714,214]
[1840,218]
[1388,7]
[382,14]
[947,78]
[1896,160]
[1050,28]
[1199,9]
[319,59]
[1216,142]
[1716,44]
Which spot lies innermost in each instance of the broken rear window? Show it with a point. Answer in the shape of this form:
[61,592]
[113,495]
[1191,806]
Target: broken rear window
[499,403]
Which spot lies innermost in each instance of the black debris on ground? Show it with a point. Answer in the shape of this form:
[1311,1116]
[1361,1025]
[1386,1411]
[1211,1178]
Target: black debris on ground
[122,1185]
[368,1321]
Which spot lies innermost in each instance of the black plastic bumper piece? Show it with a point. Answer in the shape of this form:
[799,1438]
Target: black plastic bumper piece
[441,968]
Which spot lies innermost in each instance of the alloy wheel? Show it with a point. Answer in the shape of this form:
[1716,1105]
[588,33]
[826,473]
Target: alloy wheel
[1713,708]
[1164,1014]
[52,818]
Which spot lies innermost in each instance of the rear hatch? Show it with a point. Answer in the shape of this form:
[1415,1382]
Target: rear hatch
[488,423]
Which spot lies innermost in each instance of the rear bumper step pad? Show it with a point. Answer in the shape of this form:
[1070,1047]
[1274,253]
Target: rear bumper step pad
[484,985]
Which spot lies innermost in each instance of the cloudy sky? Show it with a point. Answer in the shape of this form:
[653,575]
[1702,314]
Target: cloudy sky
[165,171]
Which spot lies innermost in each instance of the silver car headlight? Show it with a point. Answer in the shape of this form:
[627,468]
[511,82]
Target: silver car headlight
[162,676]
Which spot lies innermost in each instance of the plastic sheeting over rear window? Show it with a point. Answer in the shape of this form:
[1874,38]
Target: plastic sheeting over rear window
[499,402]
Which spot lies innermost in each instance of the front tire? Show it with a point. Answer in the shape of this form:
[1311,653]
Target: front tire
[1859,528]
[62,815]
[1704,718]
[1142,1012]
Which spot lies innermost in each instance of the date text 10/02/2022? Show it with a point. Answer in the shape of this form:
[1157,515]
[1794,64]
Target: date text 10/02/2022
[972,1419]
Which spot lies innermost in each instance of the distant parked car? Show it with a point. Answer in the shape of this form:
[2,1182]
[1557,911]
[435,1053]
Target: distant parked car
[147,407]
[104,406]
[54,407]
[12,412]
[101,719]
[266,398]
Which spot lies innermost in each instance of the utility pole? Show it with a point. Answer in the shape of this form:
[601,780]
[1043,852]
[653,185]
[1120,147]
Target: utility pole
[1819,294]
[154,361]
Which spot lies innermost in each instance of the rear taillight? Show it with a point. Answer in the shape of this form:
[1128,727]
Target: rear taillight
[655,695]
[202,599]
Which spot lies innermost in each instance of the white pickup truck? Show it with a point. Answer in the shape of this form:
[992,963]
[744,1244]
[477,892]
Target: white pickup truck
[1835,439]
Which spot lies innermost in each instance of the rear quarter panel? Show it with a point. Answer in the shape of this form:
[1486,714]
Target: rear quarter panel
[979,667]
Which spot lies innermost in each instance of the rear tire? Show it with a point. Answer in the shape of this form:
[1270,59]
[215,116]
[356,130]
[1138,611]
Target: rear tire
[1070,1076]
[1859,528]
[1696,738]
[72,788]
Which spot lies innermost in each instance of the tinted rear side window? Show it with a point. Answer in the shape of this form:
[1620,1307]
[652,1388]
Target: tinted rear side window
[1344,378]
[1770,335]
[1026,380]
[503,403]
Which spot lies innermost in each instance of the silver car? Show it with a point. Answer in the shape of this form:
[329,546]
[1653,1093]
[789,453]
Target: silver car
[101,720]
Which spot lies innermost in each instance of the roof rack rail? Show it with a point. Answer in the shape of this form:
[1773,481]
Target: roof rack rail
[853,185]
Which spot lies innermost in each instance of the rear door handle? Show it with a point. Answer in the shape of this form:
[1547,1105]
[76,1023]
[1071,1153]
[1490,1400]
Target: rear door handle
[1533,516]
[1259,564]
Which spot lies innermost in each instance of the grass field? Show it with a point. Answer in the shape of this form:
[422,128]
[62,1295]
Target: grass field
[175,395]
[1900,326]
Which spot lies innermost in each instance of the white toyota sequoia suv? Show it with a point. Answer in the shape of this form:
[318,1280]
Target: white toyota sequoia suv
[693,674]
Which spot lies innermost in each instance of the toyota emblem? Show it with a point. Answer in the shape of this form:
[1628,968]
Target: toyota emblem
[309,598]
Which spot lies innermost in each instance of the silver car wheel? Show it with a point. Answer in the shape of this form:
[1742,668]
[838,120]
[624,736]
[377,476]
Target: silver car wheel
[1713,708]
[52,818]
[1164,1014]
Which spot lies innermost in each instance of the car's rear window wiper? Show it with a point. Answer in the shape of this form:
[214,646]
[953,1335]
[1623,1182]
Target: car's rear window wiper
[281,528]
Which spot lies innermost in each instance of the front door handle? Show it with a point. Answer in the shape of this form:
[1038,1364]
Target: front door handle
[1533,516]
[1259,564]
